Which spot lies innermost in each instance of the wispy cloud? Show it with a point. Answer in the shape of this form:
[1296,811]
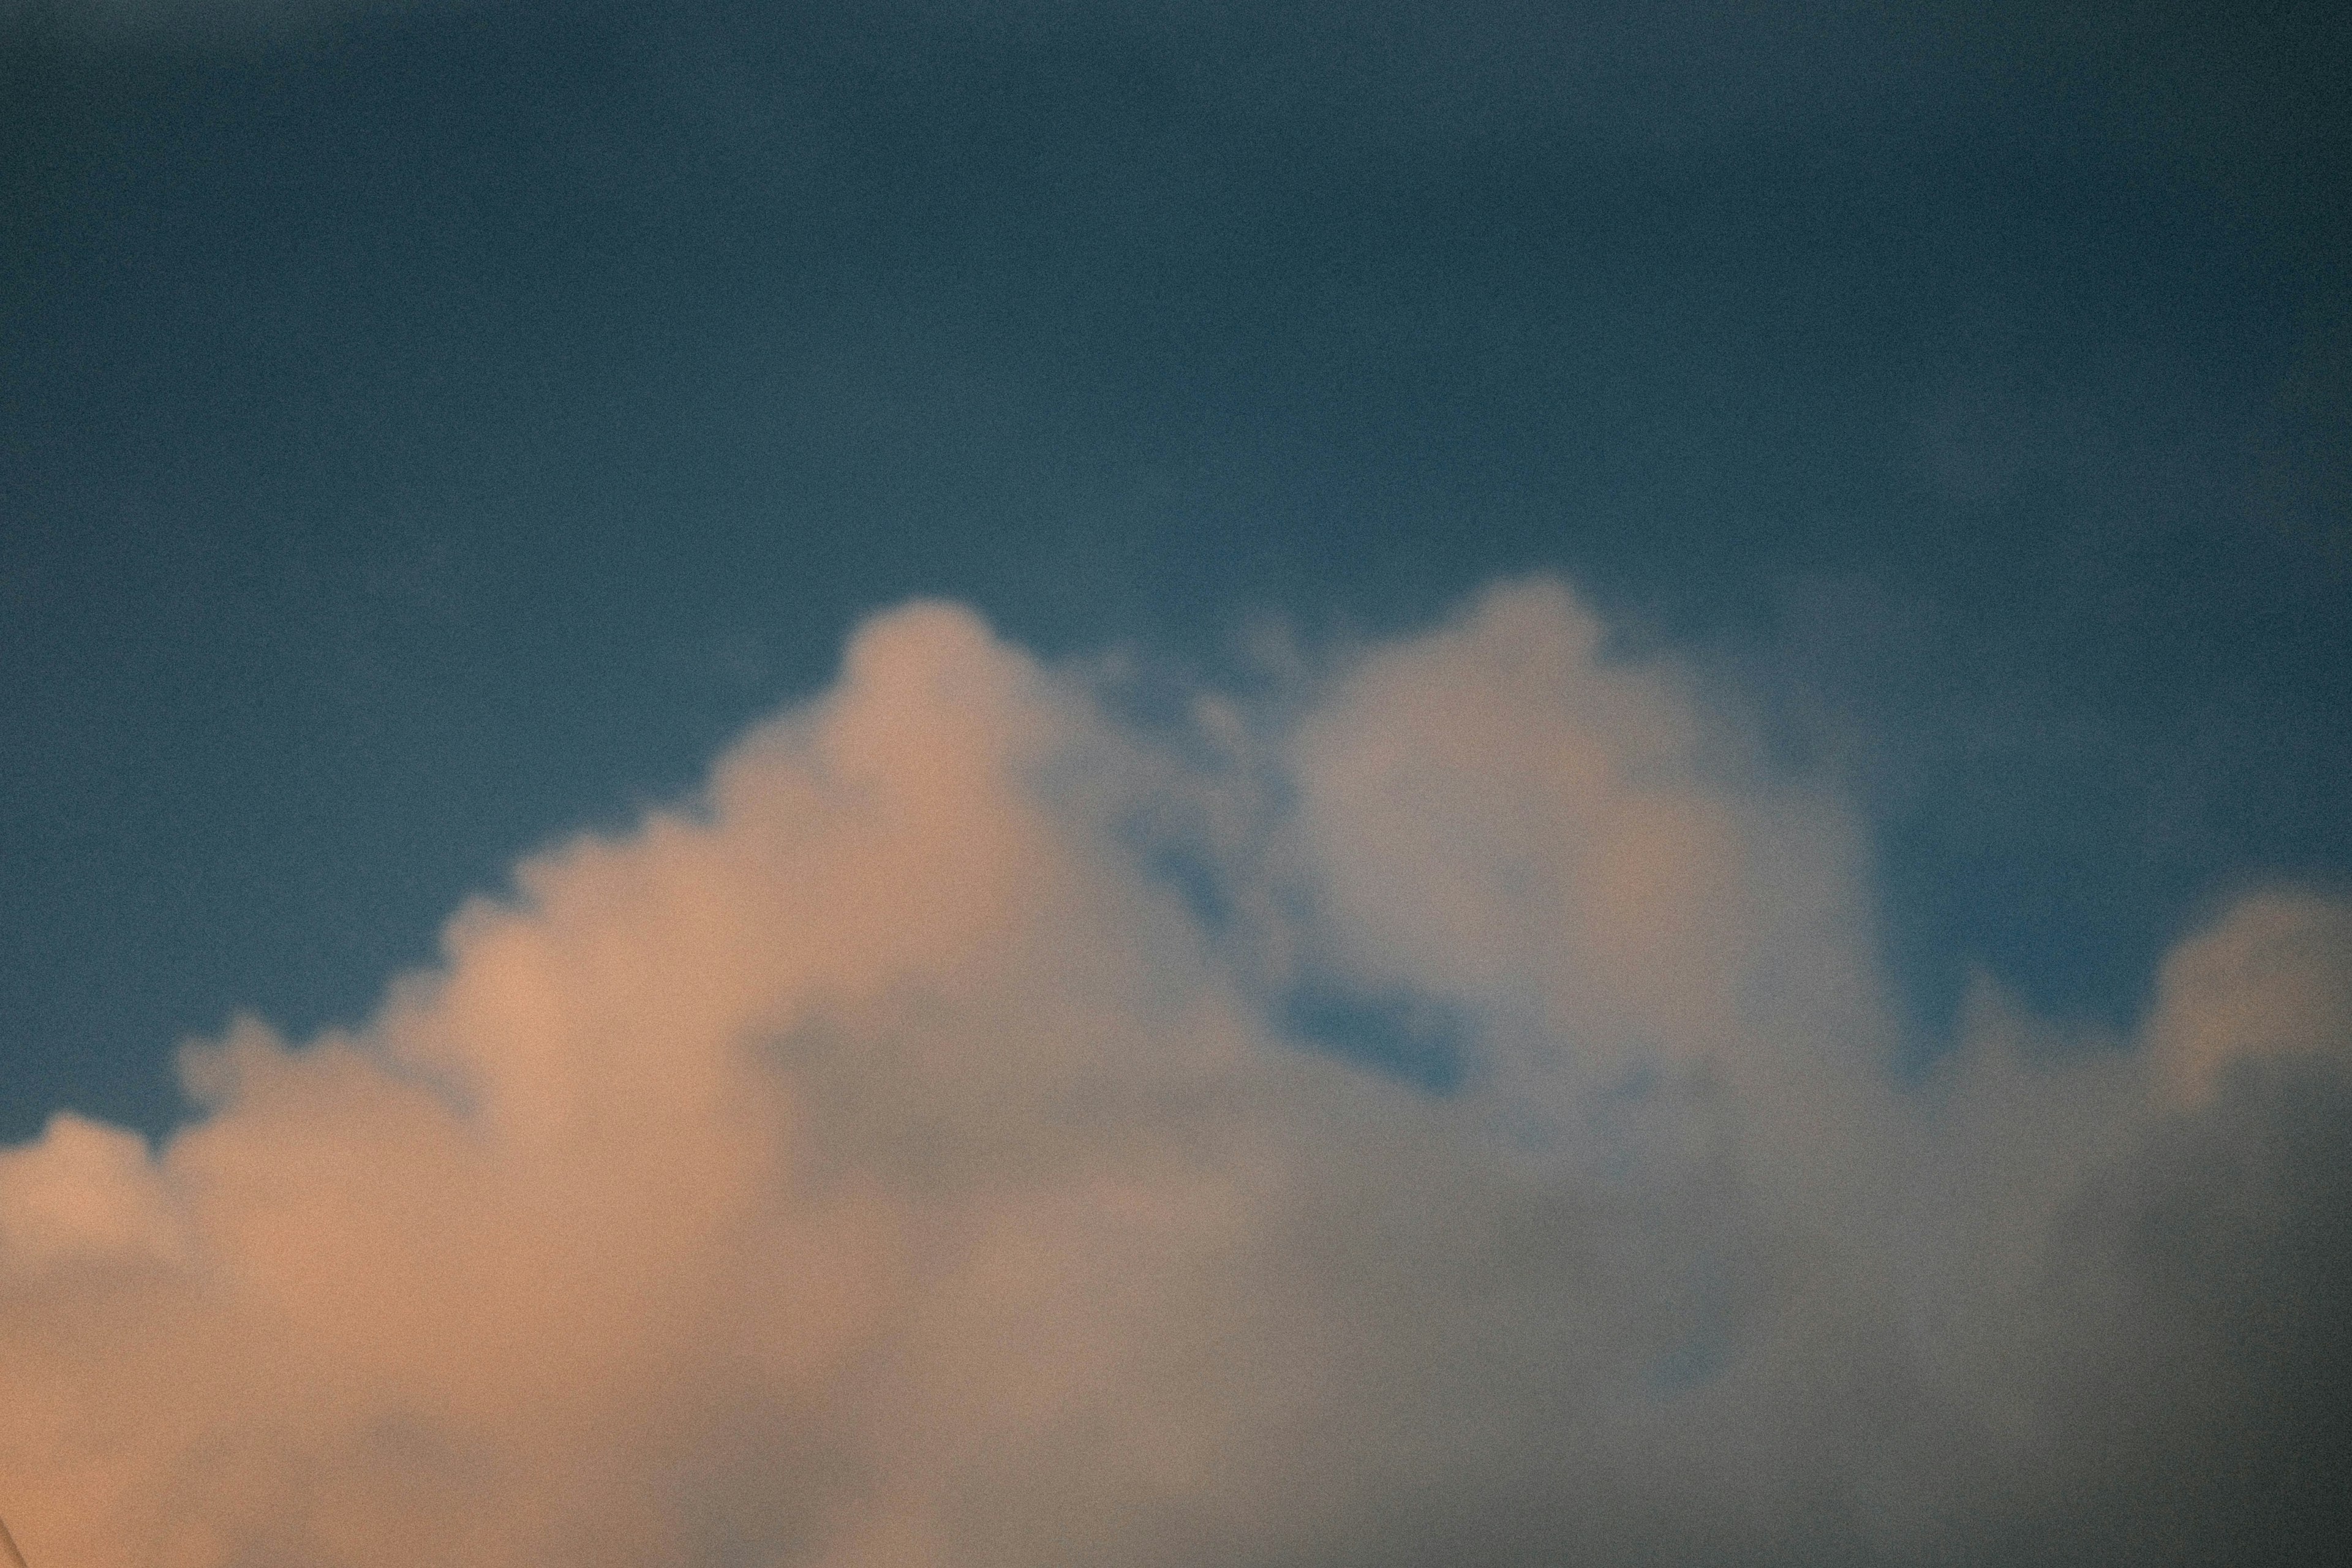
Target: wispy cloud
[915,1150]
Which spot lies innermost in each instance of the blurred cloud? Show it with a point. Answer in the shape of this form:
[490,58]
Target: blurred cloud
[2272,979]
[954,1137]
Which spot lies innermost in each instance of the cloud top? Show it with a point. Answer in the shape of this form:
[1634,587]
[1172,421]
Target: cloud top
[977,1130]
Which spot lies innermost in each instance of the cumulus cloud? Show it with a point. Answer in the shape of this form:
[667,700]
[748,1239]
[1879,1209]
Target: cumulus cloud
[1439,1107]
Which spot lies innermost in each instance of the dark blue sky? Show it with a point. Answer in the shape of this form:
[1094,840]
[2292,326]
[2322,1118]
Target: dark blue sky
[427,430]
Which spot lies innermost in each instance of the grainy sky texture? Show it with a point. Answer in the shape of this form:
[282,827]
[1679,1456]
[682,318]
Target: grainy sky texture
[1295,785]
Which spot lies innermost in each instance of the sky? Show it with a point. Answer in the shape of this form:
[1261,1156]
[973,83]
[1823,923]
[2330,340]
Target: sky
[1006,782]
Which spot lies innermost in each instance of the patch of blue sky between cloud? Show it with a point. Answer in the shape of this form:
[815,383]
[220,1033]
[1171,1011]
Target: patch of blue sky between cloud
[1416,1039]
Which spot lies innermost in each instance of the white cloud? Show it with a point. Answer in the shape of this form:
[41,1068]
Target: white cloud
[879,1160]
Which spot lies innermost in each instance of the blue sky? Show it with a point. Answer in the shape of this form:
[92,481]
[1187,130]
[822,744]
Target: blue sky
[433,429]
[430,431]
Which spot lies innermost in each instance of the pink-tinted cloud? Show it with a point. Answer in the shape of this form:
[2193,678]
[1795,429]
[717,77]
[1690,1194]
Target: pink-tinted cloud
[879,1160]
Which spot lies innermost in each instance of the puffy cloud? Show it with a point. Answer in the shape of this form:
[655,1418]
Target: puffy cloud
[2271,980]
[986,1127]
[84,1191]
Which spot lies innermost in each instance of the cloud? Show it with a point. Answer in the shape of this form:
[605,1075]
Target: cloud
[2272,979]
[984,1127]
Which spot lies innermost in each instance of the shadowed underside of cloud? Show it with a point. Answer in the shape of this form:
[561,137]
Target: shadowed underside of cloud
[988,1128]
